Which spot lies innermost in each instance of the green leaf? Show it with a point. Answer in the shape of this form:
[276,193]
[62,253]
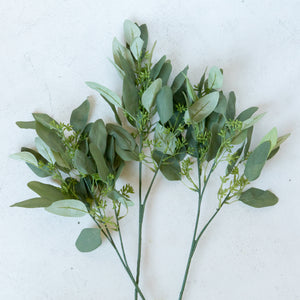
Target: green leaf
[47,191]
[25,156]
[131,31]
[122,137]
[130,96]
[157,68]
[215,142]
[222,105]
[79,116]
[45,120]
[271,136]
[257,160]
[190,90]
[63,160]
[44,150]
[98,135]
[50,137]
[89,239]
[165,72]
[165,140]
[230,111]
[67,208]
[249,137]
[149,95]
[41,172]
[215,78]
[136,47]
[246,114]
[83,163]
[144,37]
[99,159]
[240,137]
[106,93]
[282,139]
[119,70]
[258,198]
[33,203]
[120,51]
[179,80]
[170,166]
[251,121]
[26,125]
[127,155]
[164,103]
[203,107]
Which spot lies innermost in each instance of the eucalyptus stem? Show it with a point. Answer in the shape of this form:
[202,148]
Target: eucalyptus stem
[138,264]
[123,260]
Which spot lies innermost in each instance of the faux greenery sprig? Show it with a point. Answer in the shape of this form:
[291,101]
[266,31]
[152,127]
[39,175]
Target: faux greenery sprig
[178,128]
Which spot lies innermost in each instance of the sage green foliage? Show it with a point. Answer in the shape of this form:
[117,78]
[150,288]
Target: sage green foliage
[89,239]
[80,157]
[258,198]
[182,129]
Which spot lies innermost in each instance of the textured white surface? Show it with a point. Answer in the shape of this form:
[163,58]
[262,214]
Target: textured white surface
[50,48]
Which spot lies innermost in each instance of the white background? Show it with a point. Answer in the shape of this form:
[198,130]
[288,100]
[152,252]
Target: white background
[48,49]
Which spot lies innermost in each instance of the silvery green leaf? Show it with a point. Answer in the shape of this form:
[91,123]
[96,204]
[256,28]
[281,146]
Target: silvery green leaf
[230,110]
[44,150]
[190,90]
[282,139]
[25,156]
[203,107]
[157,68]
[246,114]
[271,136]
[89,239]
[45,120]
[258,198]
[33,203]
[79,116]
[67,208]
[251,121]
[222,105]
[165,140]
[111,96]
[131,31]
[240,137]
[83,163]
[179,80]
[47,191]
[149,95]
[26,125]
[99,159]
[120,50]
[50,137]
[215,78]
[215,142]
[187,117]
[98,135]
[119,70]
[257,160]
[136,47]
[164,103]
[130,96]
[144,37]
[165,72]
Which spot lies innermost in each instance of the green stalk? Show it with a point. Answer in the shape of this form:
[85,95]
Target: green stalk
[138,264]
[123,261]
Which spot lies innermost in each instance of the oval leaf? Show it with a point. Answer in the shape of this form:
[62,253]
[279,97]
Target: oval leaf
[67,208]
[136,47]
[47,191]
[258,198]
[102,168]
[257,160]
[79,116]
[179,80]
[26,125]
[215,78]
[25,156]
[131,31]
[164,103]
[89,239]
[44,150]
[98,135]
[33,203]
[203,107]
[149,95]
[83,163]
